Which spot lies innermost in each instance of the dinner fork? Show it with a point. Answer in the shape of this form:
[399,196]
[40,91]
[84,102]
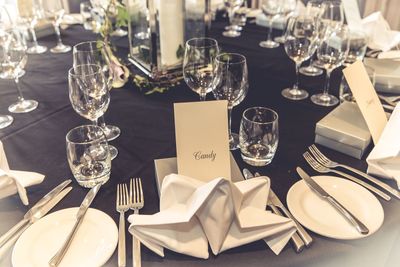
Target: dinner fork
[322,159]
[136,203]
[122,205]
[322,169]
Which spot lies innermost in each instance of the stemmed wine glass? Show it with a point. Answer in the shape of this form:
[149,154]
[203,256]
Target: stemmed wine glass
[231,84]
[331,54]
[54,10]
[199,64]
[289,7]
[272,9]
[301,35]
[13,58]
[30,11]
[94,52]
[232,5]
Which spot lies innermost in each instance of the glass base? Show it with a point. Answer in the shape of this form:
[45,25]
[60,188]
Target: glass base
[231,33]
[119,33]
[269,44]
[60,48]
[236,28]
[294,94]
[10,76]
[23,106]
[111,132]
[142,35]
[325,100]
[280,39]
[37,49]
[310,71]
[5,121]
[113,151]
[234,141]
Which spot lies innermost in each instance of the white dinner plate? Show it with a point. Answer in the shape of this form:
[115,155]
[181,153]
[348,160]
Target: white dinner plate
[93,244]
[319,216]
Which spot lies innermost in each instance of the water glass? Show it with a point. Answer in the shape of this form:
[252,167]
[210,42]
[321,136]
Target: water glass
[258,135]
[88,155]
[358,41]
[85,9]
[233,28]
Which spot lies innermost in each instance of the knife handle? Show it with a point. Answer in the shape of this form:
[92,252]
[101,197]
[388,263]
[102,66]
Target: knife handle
[7,236]
[307,239]
[297,242]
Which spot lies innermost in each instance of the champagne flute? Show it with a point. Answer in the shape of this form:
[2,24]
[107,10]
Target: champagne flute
[331,54]
[54,10]
[232,6]
[272,9]
[199,64]
[30,11]
[13,58]
[300,38]
[95,52]
[289,7]
[231,84]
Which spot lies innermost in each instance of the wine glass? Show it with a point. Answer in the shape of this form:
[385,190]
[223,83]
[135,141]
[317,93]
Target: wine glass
[314,9]
[199,64]
[88,91]
[13,58]
[54,10]
[300,37]
[95,52]
[331,54]
[231,84]
[289,7]
[272,9]
[332,13]
[232,5]
[30,11]
[358,41]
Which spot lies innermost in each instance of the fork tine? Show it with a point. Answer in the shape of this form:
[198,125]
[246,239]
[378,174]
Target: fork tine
[137,190]
[117,202]
[318,154]
[141,190]
[130,191]
[134,190]
[126,194]
[310,160]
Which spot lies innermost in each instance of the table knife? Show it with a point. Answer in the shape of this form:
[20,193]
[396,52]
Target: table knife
[55,261]
[34,213]
[361,228]
[297,242]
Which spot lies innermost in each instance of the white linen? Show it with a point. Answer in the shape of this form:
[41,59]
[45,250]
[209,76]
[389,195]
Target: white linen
[223,214]
[12,182]
[384,159]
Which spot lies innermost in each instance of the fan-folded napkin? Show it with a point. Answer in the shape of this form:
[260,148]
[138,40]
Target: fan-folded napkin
[384,159]
[223,214]
[12,182]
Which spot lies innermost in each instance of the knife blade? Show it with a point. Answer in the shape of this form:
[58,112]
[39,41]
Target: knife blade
[33,213]
[297,242]
[56,259]
[315,187]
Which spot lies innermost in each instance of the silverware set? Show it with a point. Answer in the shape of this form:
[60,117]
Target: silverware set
[129,199]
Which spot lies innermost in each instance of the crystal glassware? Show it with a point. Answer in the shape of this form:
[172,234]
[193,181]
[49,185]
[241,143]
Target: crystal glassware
[258,135]
[358,41]
[272,9]
[31,11]
[13,58]
[199,65]
[331,54]
[53,9]
[231,84]
[95,52]
[289,7]
[88,155]
[300,37]
[233,30]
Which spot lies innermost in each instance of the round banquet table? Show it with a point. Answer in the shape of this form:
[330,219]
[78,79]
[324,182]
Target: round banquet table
[36,142]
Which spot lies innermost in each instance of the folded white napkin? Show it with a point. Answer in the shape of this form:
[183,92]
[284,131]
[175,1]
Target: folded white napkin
[12,182]
[223,214]
[384,159]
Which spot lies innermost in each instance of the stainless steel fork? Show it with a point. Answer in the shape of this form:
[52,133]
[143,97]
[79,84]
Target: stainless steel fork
[322,159]
[136,203]
[122,205]
[322,169]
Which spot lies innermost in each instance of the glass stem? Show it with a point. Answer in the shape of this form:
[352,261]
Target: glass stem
[20,96]
[58,34]
[101,122]
[35,43]
[230,15]
[296,85]
[203,95]
[94,122]
[271,21]
[230,121]
[328,77]
[311,62]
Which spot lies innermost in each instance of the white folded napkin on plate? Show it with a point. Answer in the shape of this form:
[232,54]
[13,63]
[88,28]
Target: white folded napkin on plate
[12,182]
[223,214]
[384,159]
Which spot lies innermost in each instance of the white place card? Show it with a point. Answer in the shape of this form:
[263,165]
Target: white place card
[366,98]
[202,142]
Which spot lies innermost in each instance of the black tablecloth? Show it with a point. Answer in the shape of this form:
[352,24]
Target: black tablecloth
[36,142]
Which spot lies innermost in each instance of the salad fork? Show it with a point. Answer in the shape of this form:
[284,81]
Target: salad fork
[122,205]
[136,197]
[322,159]
[322,169]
